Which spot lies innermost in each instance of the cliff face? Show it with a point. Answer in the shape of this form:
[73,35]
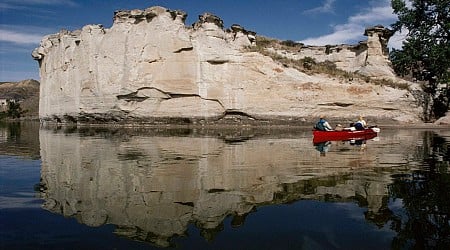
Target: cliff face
[149,66]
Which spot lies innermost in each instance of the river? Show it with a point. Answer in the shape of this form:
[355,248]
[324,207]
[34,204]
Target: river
[228,188]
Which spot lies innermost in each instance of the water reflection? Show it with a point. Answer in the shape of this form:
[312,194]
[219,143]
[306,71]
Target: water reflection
[19,139]
[426,198]
[154,183]
[324,147]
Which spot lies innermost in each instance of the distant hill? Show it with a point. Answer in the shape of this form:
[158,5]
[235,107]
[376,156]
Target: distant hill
[26,92]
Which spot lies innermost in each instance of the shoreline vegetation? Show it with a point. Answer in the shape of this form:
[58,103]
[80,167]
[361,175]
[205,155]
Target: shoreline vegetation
[310,66]
[215,126]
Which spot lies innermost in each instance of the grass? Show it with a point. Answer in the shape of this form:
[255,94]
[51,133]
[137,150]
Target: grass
[309,65]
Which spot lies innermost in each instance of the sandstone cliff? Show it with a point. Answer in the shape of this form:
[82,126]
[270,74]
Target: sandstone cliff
[150,67]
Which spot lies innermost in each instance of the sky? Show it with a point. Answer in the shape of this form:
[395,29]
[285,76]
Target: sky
[23,23]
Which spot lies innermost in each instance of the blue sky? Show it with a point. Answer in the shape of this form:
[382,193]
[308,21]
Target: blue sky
[316,22]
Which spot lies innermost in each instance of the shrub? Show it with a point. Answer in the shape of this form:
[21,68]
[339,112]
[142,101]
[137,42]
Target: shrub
[290,43]
[14,110]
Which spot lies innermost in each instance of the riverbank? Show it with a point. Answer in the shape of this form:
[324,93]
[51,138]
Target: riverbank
[219,127]
[234,123]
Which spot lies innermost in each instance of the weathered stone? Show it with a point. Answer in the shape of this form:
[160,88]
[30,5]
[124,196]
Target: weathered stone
[208,18]
[369,58]
[443,120]
[150,66]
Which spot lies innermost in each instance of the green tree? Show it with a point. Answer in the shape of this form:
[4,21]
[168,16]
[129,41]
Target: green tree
[425,54]
[14,109]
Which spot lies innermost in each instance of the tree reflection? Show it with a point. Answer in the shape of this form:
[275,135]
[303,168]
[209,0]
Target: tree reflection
[426,200]
[20,138]
[14,129]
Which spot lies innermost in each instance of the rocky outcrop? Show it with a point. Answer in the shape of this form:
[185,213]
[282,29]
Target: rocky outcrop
[445,120]
[150,67]
[369,58]
[377,62]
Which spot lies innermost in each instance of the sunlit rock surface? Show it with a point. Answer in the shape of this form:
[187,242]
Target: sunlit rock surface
[152,185]
[150,67]
[369,58]
[445,120]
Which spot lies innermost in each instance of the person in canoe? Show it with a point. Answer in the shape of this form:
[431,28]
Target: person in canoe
[360,124]
[323,125]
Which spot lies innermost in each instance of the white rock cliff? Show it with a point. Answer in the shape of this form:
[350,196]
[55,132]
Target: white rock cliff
[150,67]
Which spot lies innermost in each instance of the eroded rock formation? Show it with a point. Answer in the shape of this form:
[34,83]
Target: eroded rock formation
[150,67]
[369,58]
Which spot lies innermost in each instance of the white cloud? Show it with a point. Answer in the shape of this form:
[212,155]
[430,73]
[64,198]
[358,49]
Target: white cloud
[397,39]
[19,38]
[42,2]
[23,34]
[353,30]
[373,15]
[25,4]
[343,33]
[327,7]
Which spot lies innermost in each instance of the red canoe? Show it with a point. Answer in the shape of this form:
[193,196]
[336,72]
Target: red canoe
[344,135]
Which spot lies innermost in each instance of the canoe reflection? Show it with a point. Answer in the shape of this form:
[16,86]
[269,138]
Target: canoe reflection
[324,147]
[152,187]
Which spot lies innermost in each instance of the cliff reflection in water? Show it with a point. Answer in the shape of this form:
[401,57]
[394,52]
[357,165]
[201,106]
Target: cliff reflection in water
[153,184]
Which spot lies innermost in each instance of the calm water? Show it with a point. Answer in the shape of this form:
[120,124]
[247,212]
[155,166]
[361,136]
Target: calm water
[66,188]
